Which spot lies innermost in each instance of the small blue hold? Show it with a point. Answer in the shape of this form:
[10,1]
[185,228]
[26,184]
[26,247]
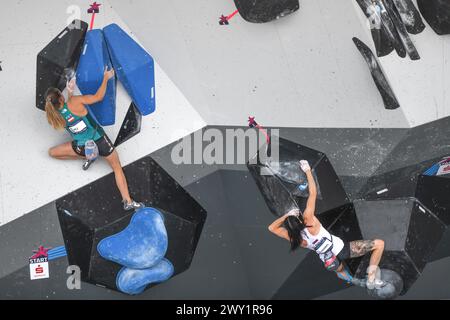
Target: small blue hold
[303,186]
[133,281]
[141,245]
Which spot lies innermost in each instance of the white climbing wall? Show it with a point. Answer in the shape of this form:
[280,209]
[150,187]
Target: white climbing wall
[299,71]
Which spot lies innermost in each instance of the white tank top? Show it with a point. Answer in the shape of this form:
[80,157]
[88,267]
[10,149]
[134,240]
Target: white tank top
[322,242]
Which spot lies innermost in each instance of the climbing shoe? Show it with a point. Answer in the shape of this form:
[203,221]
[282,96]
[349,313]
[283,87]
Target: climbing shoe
[87,164]
[132,205]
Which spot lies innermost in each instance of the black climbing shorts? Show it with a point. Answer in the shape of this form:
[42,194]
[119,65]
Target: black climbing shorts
[105,147]
[345,252]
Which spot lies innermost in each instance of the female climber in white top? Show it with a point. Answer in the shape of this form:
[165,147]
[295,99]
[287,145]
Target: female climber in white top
[305,230]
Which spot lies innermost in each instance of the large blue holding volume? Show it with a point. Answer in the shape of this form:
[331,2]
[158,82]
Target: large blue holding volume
[142,244]
[140,248]
[90,71]
[134,67]
[134,281]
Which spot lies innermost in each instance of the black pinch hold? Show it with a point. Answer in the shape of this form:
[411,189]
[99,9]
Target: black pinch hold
[384,33]
[437,14]
[391,29]
[1,66]
[131,125]
[260,11]
[381,39]
[382,42]
[393,20]
[401,30]
[410,16]
[389,99]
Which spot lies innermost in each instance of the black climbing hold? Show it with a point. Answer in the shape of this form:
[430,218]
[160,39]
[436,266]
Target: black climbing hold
[57,58]
[437,14]
[384,43]
[391,24]
[381,21]
[410,16]
[1,66]
[389,99]
[410,232]
[280,192]
[401,30]
[131,125]
[392,288]
[390,28]
[260,11]
[94,212]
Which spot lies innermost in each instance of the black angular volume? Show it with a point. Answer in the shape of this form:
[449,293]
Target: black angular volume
[95,211]
[131,125]
[280,186]
[399,183]
[434,193]
[58,58]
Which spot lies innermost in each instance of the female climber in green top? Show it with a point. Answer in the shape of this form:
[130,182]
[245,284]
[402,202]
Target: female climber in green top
[73,116]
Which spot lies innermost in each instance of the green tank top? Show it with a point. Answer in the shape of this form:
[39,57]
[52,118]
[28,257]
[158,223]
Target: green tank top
[81,129]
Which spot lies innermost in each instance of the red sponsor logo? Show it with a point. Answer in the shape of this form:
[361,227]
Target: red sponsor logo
[40,252]
[39,269]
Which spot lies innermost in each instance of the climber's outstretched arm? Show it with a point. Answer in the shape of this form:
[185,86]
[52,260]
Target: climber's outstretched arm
[310,210]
